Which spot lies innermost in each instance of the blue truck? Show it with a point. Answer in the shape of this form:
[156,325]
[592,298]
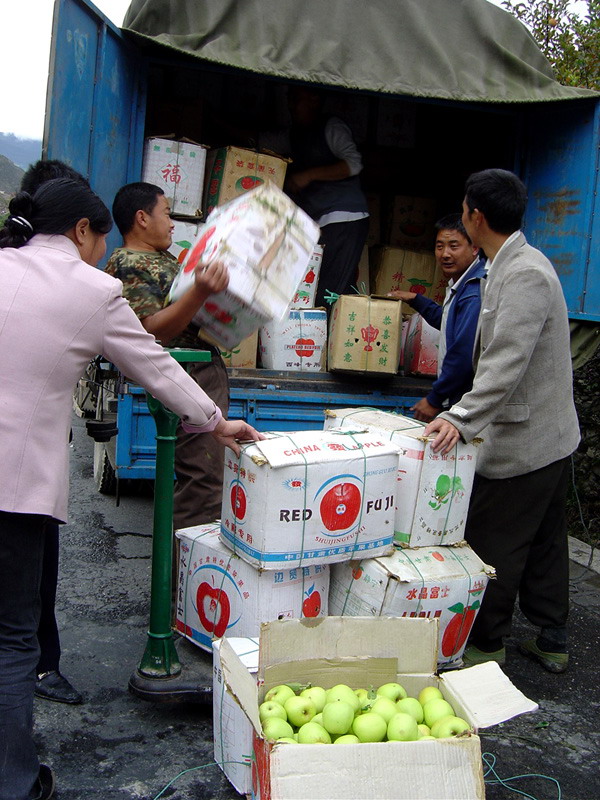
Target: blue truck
[109,88]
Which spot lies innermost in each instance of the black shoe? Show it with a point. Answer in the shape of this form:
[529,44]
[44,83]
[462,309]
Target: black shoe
[45,783]
[54,686]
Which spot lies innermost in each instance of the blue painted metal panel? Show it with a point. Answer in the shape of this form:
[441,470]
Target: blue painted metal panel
[135,450]
[95,105]
[561,173]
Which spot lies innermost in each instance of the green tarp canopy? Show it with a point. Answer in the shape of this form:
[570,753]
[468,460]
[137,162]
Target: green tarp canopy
[466,50]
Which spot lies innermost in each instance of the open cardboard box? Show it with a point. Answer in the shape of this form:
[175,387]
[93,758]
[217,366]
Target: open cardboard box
[363,651]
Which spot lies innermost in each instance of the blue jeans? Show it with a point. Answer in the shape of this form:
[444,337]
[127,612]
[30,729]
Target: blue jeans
[21,559]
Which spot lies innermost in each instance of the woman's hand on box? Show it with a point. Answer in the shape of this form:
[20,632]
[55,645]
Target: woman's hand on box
[229,432]
[211,278]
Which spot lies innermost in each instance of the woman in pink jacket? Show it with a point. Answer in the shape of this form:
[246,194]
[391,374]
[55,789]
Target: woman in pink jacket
[56,313]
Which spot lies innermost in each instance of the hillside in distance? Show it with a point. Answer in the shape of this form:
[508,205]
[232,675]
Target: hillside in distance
[21,152]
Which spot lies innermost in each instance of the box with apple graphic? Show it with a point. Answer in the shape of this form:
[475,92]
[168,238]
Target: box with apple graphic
[444,583]
[178,168]
[412,223]
[185,232]
[305,293]
[404,270]
[363,652]
[365,334]
[220,594]
[232,731]
[309,497]
[421,347]
[265,241]
[296,342]
[433,490]
[243,355]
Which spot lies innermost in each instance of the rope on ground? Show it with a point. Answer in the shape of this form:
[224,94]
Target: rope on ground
[489,760]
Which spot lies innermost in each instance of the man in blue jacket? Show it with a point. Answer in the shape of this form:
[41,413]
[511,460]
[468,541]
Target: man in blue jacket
[456,319]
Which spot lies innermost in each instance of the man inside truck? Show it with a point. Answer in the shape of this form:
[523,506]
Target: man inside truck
[522,405]
[142,214]
[323,179]
[461,263]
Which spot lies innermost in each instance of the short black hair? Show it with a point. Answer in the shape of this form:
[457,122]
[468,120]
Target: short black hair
[452,222]
[500,196]
[47,170]
[130,199]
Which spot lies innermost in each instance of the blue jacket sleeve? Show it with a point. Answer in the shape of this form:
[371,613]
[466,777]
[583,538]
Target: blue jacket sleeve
[428,309]
[457,370]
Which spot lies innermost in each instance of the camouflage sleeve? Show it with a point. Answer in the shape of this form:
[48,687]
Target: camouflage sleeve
[142,285]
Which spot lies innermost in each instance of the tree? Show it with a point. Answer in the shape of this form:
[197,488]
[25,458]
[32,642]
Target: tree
[570,42]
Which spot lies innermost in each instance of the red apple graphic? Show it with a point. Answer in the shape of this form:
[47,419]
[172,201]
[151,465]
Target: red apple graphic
[182,255]
[418,286]
[357,572]
[238,502]
[198,250]
[458,628]
[340,506]
[248,182]
[304,347]
[438,556]
[312,605]
[218,313]
[310,276]
[216,603]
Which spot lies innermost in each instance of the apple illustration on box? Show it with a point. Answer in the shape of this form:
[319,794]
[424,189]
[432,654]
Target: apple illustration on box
[238,501]
[340,506]
[247,182]
[304,347]
[312,604]
[198,250]
[213,609]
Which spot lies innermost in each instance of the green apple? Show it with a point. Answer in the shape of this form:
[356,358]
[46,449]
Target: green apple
[402,728]
[312,733]
[436,709]
[430,693]
[449,726]
[394,691]
[426,739]
[424,730]
[347,738]
[410,705]
[280,694]
[275,728]
[287,740]
[299,710]
[318,718]
[385,707]
[338,717]
[317,694]
[344,693]
[271,709]
[363,696]
[369,727]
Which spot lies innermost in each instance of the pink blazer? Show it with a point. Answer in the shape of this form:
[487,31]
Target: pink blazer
[57,313]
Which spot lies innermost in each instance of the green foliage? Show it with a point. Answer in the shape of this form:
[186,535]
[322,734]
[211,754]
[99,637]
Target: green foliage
[570,42]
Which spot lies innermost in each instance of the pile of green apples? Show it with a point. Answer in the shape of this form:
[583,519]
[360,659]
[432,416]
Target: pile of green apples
[341,715]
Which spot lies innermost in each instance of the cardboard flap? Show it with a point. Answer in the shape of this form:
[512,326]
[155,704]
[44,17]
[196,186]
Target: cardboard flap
[425,563]
[412,641]
[240,683]
[316,447]
[485,694]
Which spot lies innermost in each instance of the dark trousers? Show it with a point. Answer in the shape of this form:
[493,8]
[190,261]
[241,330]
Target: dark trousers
[343,244]
[518,525]
[21,557]
[47,634]
[199,458]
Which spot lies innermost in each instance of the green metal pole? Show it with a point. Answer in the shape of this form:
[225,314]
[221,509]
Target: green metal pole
[160,658]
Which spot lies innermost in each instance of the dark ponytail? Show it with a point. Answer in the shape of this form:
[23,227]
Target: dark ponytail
[55,208]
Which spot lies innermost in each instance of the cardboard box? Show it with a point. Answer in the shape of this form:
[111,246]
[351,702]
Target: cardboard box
[440,284]
[309,497]
[232,171]
[296,342]
[364,334]
[219,594]
[232,730]
[178,168]
[433,490]
[361,652]
[394,269]
[374,206]
[243,355]
[444,583]
[184,233]
[363,278]
[412,224]
[307,288]
[265,241]
[421,347]
[405,323]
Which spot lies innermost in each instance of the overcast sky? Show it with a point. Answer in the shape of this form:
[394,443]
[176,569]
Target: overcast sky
[24,53]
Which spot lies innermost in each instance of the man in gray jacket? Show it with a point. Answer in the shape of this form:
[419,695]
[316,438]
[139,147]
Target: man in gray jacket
[521,404]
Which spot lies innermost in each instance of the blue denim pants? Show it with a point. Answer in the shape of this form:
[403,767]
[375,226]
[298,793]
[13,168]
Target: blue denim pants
[21,559]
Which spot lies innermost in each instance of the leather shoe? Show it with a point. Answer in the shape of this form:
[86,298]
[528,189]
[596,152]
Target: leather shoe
[45,783]
[54,686]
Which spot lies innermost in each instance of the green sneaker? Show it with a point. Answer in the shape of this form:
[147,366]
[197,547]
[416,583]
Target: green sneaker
[473,655]
[553,662]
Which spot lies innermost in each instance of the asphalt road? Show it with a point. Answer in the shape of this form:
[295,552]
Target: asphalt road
[118,747]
